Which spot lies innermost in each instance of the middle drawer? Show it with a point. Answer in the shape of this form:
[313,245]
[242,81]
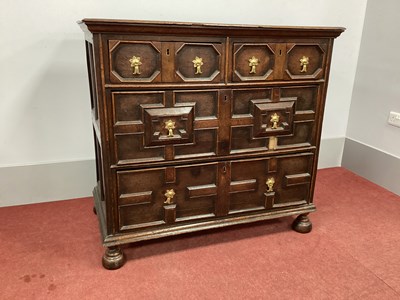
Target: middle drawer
[169,125]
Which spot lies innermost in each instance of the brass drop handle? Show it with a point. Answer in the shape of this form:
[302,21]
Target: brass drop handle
[274,120]
[304,61]
[253,63]
[170,126]
[197,63]
[135,65]
[169,194]
[270,184]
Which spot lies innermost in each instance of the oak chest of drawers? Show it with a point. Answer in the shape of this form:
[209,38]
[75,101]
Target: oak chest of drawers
[200,126]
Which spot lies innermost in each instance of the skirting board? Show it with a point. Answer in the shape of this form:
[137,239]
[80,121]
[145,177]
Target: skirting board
[373,164]
[68,180]
[46,182]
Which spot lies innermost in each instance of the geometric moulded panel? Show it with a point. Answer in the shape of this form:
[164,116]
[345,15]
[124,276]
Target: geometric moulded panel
[198,61]
[164,126]
[135,61]
[252,62]
[273,118]
[305,61]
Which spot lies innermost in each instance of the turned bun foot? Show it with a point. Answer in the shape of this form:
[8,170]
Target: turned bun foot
[302,224]
[113,258]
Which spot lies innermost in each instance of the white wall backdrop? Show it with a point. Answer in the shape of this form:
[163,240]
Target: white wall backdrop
[377,84]
[44,113]
[44,98]
[372,147]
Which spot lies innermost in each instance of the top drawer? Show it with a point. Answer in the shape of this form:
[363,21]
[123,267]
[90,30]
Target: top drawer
[155,61]
[164,59]
[270,60]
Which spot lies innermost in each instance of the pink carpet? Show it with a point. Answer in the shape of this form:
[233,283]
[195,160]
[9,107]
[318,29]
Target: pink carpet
[53,251]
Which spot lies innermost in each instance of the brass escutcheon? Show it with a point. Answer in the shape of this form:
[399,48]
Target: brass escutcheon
[169,194]
[273,143]
[135,64]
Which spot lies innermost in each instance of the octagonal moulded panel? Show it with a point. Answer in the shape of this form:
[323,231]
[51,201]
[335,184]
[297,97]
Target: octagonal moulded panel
[252,62]
[135,61]
[305,61]
[198,62]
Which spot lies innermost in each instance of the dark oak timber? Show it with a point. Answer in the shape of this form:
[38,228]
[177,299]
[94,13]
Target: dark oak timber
[113,258]
[302,224]
[200,126]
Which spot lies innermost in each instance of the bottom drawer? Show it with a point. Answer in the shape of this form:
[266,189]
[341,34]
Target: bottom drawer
[170,195]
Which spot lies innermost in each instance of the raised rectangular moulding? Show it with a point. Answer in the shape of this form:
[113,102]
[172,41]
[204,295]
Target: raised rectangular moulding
[273,118]
[168,125]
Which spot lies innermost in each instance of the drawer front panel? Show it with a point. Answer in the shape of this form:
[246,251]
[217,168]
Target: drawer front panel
[157,126]
[170,195]
[173,125]
[270,183]
[201,62]
[135,61]
[165,60]
[166,195]
[258,60]
[253,61]
[287,115]
[305,61]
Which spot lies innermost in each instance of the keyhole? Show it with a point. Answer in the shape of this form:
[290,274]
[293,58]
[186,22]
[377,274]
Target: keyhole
[224,169]
[225,98]
[280,52]
[167,51]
